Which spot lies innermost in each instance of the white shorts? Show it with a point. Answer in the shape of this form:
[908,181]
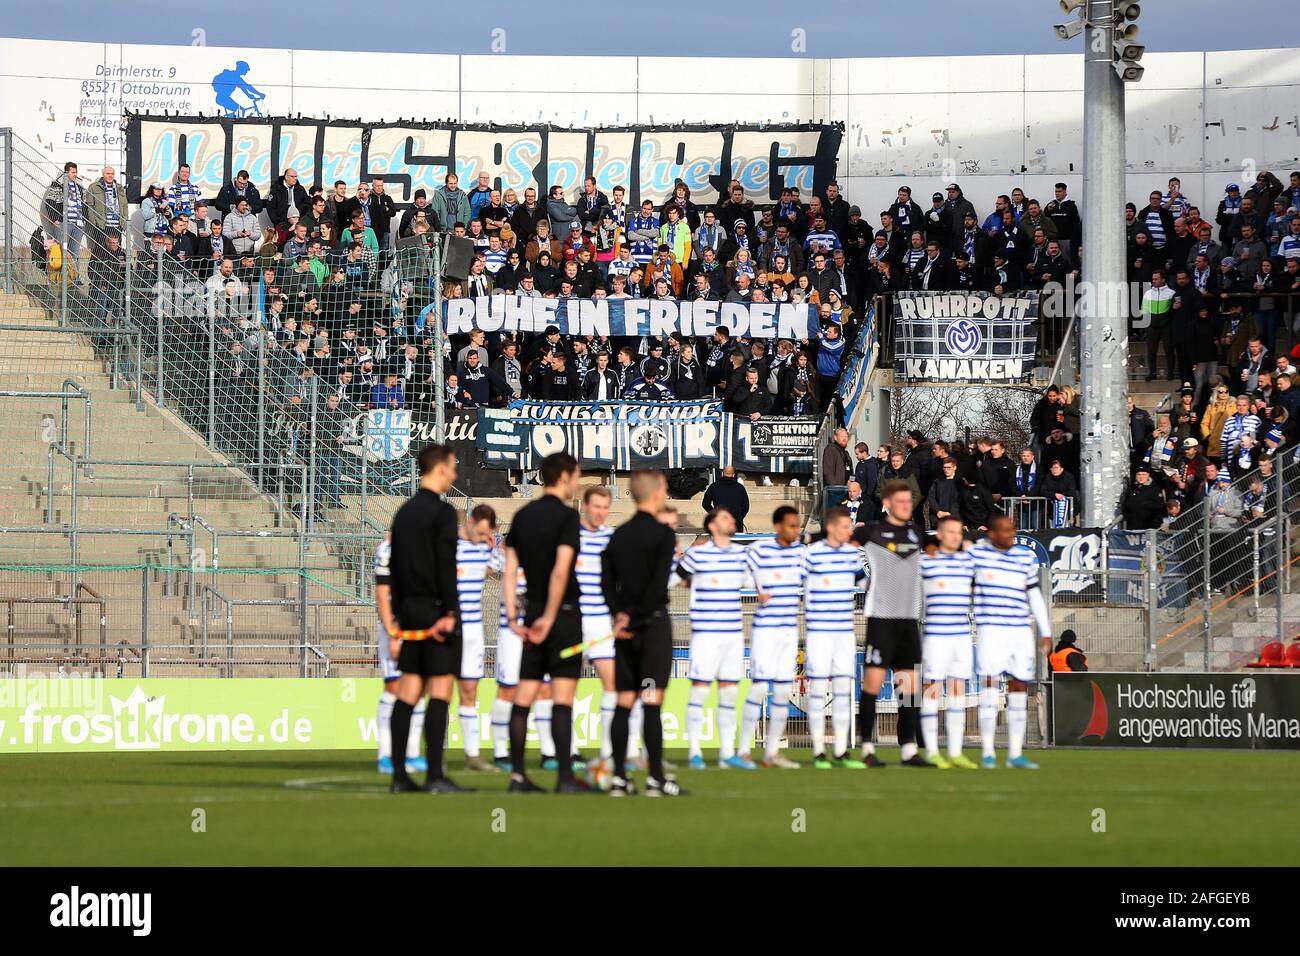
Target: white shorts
[830,655]
[471,652]
[946,656]
[1005,650]
[595,627]
[387,666]
[510,651]
[717,655]
[775,653]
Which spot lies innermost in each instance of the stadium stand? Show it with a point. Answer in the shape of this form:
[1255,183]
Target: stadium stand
[230,402]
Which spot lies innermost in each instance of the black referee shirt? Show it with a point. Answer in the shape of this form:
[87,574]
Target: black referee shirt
[422,565]
[536,534]
[635,568]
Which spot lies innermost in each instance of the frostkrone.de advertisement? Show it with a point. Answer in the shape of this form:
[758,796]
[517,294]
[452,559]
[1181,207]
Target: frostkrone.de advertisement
[43,714]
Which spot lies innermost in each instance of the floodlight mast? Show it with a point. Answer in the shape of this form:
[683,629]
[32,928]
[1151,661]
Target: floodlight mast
[1102,318]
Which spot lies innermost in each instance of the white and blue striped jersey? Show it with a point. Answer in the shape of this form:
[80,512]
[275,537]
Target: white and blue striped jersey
[473,562]
[946,583]
[777,569]
[521,591]
[831,578]
[383,555]
[1002,583]
[591,547]
[717,575]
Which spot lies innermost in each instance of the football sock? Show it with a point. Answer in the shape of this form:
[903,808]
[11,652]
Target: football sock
[727,721]
[545,730]
[501,728]
[908,718]
[635,721]
[417,729]
[749,717]
[400,728]
[469,729]
[1017,722]
[608,701]
[841,712]
[956,723]
[930,724]
[382,720]
[817,714]
[562,730]
[435,735]
[988,718]
[653,729]
[518,738]
[694,718]
[618,739]
[867,721]
[776,721]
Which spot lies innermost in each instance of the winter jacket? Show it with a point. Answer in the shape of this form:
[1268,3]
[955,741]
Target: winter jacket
[94,208]
[228,198]
[450,206]
[282,198]
[728,493]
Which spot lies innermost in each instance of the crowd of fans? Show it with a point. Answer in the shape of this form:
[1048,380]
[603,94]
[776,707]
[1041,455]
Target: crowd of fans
[1209,451]
[330,284]
[972,482]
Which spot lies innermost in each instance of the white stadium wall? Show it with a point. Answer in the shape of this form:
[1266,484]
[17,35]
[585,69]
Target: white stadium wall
[988,122]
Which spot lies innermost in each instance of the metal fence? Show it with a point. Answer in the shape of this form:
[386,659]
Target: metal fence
[205,341]
[1227,568]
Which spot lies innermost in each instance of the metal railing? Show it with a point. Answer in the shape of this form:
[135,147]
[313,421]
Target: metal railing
[74,604]
[1036,513]
[70,389]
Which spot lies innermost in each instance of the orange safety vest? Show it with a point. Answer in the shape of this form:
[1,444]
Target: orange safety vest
[1057,659]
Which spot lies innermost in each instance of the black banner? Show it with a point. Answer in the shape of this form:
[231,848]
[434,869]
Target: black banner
[646,160]
[461,432]
[965,337]
[781,436]
[1253,710]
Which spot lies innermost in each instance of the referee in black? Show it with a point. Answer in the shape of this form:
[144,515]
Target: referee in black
[634,576]
[543,542]
[422,579]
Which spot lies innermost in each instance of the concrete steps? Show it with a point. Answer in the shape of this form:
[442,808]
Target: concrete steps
[139,498]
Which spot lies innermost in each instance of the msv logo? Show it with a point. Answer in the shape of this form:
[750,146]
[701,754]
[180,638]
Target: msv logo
[963,337]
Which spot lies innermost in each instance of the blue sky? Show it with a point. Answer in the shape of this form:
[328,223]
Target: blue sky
[834,28]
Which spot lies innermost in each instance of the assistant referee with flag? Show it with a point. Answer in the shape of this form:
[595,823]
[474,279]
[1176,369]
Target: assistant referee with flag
[427,646]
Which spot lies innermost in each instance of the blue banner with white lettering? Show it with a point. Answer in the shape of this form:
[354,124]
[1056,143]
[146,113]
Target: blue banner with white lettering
[622,436]
[638,317]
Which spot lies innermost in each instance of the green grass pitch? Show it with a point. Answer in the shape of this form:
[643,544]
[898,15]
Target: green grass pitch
[1160,808]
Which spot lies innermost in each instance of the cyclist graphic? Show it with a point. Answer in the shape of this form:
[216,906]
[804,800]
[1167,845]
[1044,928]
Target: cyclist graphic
[227,82]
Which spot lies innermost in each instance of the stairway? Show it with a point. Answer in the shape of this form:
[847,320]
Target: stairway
[122,520]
